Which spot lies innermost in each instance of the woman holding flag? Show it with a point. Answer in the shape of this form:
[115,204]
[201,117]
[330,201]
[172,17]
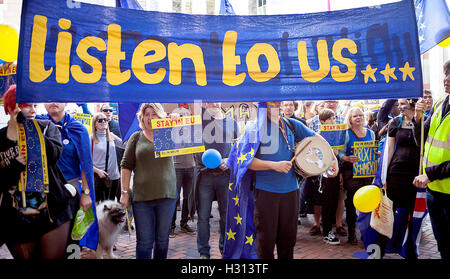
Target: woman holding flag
[40,228]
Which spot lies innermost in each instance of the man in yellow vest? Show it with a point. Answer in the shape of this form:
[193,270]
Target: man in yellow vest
[436,165]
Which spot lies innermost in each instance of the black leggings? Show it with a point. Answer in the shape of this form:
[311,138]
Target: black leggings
[352,185]
[50,246]
[329,200]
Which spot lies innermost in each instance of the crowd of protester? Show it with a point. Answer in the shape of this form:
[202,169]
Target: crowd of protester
[156,183]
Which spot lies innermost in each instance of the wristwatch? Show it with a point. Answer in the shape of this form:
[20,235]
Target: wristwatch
[85,191]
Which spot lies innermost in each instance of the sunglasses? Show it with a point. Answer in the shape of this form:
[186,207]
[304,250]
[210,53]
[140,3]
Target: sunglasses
[107,110]
[101,120]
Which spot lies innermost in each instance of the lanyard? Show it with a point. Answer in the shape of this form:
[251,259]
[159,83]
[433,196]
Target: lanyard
[283,132]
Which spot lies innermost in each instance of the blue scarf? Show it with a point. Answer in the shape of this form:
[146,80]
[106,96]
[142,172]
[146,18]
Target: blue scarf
[77,133]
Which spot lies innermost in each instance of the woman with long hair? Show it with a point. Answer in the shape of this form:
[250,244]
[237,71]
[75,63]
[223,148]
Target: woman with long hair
[403,166]
[105,159]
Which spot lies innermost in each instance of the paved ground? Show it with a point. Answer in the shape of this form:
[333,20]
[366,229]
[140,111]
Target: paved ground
[184,246]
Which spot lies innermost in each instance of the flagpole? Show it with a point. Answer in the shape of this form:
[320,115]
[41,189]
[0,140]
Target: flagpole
[128,224]
[21,179]
[421,143]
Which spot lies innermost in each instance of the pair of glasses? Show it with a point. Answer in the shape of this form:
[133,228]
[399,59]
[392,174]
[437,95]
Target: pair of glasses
[107,110]
[101,120]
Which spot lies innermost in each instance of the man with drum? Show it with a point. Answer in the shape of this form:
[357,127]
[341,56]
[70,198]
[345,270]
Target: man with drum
[276,187]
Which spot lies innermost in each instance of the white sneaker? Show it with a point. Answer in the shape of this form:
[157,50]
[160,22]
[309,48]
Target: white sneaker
[331,239]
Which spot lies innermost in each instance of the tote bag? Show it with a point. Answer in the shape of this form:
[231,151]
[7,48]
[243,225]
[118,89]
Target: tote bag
[382,218]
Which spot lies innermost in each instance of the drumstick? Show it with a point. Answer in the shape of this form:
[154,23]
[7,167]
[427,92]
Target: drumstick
[296,153]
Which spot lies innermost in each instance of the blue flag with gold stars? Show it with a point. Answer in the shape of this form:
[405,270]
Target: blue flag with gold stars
[240,233]
[32,146]
[226,8]
[433,22]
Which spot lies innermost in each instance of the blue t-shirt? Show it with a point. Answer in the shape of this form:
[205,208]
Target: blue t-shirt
[68,162]
[350,139]
[270,180]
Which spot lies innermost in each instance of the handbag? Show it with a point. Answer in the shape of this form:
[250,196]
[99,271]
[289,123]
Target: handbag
[105,181]
[382,218]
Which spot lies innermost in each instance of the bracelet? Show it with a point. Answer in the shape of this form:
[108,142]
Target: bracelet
[124,191]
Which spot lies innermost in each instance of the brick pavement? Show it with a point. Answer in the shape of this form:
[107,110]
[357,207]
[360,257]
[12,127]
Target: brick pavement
[184,246]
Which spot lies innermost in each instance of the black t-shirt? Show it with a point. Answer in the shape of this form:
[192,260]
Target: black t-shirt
[405,160]
[10,168]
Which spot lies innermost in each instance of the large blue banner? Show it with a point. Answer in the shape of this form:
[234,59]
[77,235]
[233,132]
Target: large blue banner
[89,53]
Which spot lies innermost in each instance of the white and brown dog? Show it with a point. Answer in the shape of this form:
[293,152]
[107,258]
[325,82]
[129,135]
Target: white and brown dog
[111,217]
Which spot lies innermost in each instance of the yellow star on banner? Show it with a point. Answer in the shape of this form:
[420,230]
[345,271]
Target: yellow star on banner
[229,186]
[421,38]
[369,73]
[249,240]
[422,26]
[230,235]
[242,158]
[388,72]
[407,71]
[238,219]
[236,200]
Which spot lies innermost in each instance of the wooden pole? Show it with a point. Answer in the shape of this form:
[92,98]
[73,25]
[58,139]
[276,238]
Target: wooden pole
[422,129]
[21,181]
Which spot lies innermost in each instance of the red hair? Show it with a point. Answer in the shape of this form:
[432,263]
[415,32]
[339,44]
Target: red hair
[9,99]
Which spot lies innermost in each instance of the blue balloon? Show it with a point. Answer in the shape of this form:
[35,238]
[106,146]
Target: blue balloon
[211,158]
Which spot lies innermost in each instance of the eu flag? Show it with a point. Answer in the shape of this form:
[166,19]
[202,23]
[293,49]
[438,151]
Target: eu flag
[240,233]
[226,8]
[433,22]
[128,4]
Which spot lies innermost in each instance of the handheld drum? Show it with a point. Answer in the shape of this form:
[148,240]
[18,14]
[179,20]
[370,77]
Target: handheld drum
[313,156]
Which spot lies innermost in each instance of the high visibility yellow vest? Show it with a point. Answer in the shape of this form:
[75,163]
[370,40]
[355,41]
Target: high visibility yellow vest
[437,147]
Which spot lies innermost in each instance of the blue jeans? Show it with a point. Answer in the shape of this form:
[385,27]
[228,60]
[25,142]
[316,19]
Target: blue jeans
[438,205]
[208,187]
[153,219]
[185,179]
